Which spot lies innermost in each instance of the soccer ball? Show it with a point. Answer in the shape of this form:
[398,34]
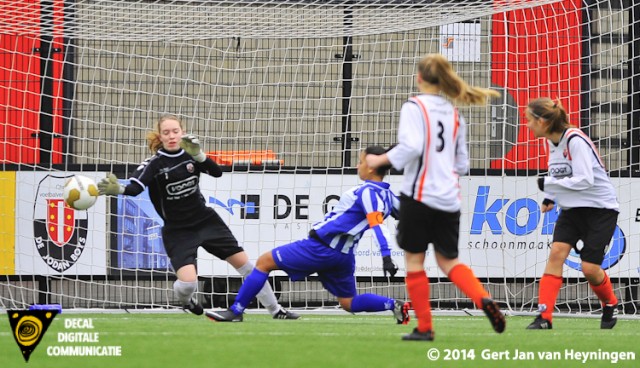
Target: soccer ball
[80,192]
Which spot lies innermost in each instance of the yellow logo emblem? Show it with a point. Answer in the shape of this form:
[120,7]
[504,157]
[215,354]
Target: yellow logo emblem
[28,328]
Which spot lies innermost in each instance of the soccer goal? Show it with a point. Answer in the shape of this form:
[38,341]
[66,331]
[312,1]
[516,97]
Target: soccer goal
[286,94]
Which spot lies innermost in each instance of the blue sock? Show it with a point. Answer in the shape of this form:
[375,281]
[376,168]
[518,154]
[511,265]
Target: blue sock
[249,289]
[371,303]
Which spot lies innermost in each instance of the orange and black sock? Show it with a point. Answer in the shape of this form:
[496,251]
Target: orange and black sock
[463,277]
[549,288]
[604,291]
[418,288]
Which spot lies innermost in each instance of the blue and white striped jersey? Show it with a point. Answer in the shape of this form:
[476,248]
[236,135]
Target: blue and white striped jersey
[359,209]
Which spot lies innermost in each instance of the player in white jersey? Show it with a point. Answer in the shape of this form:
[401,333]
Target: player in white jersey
[432,150]
[579,185]
[329,250]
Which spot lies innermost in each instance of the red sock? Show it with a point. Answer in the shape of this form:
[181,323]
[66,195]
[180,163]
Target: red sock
[604,291]
[418,288]
[462,276]
[549,288]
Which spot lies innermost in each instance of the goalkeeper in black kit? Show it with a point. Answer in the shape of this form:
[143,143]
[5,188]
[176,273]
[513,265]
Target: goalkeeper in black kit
[172,175]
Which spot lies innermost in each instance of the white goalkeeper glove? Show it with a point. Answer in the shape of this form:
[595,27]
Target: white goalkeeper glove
[110,186]
[191,145]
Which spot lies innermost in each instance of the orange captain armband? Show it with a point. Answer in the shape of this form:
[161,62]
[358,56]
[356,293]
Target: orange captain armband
[375,218]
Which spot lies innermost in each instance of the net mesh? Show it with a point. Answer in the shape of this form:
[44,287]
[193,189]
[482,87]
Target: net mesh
[305,85]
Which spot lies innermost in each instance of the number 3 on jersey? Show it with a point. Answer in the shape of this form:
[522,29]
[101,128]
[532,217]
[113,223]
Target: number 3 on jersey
[440,145]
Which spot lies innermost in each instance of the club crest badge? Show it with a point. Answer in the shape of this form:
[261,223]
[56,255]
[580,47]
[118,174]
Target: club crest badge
[60,232]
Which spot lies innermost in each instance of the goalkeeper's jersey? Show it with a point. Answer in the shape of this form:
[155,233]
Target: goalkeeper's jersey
[358,210]
[577,177]
[173,180]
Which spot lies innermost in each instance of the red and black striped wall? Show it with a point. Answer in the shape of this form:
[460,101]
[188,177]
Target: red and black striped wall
[32,111]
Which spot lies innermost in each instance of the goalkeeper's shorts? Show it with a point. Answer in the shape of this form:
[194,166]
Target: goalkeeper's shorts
[182,244]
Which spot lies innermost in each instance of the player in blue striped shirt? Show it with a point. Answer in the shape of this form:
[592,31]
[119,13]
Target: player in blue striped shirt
[329,249]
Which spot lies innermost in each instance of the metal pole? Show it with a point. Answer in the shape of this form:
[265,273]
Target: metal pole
[633,123]
[46,51]
[347,76]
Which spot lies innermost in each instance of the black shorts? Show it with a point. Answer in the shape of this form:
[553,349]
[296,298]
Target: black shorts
[213,235]
[420,225]
[594,226]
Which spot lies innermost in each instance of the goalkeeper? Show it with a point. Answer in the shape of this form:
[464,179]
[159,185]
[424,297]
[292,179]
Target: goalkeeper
[172,175]
[329,250]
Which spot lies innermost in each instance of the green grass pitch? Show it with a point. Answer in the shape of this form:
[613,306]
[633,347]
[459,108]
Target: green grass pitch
[182,340]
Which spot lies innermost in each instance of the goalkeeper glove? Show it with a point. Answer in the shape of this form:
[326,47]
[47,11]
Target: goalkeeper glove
[110,186]
[388,266]
[191,145]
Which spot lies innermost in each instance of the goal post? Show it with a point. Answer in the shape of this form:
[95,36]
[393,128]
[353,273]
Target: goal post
[286,94]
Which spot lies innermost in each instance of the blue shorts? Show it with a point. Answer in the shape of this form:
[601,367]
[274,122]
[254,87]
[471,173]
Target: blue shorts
[304,257]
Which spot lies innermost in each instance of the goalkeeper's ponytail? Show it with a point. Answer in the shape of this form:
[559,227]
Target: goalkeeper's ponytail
[153,137]
[153,141]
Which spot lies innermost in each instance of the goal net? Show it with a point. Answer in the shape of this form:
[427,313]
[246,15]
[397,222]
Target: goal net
[285,95]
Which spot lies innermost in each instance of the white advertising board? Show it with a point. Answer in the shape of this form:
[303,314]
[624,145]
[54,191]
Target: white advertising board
[502,234]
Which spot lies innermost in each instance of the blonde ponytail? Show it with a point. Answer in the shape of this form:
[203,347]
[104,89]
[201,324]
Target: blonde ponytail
[435,69]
